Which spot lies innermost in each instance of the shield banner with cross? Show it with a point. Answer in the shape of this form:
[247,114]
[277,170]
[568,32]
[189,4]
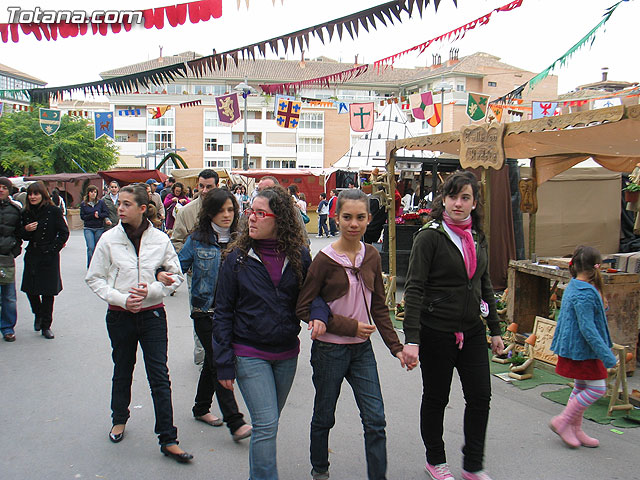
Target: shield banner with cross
[361,116]
[477,105]
[288,113]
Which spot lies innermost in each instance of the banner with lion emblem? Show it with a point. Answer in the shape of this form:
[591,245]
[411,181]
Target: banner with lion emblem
[228,109]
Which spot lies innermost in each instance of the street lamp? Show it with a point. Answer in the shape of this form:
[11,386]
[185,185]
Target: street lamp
[246,90]
[442,86]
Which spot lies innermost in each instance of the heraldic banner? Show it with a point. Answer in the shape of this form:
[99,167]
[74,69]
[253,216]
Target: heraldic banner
[288,113]
[228,109]
[103,124]
[50,120]
[361,117]
[543,109]
[421,105]
[477,105]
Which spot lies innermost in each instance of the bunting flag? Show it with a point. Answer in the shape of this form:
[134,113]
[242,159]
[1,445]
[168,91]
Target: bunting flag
[158,112]
[543,109]
[50,120]
[477,106]
[103,124]
[129,112]
[1,108]
[22,108]
[342,107]
[78,113]
[228,109]
[495,114]
[421,105]
[288,114]
[191,104]
[198,11]
[361,116]
[388,12]
[606,103]
[437,116]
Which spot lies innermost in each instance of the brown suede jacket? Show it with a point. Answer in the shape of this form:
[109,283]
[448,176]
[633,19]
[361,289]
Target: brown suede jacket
[328,279]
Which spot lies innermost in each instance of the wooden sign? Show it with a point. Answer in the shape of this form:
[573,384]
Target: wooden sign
[528,195]
[544,329]
[481,146]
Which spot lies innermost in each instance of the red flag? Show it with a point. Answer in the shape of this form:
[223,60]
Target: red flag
[361,116]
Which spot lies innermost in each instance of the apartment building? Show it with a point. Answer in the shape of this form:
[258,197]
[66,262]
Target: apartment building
[12,79]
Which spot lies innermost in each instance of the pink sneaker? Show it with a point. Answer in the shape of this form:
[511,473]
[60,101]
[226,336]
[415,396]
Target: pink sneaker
[439,472]
[481,475]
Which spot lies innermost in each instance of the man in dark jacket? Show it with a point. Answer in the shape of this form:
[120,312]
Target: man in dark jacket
[111,201]
[10,246]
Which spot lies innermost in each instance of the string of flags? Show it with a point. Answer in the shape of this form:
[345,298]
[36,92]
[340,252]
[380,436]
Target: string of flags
[191,104]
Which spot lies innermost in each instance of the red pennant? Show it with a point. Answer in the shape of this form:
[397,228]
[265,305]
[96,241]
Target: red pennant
[158,14]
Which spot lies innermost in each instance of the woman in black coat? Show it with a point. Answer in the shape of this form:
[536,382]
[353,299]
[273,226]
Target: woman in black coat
[47,232]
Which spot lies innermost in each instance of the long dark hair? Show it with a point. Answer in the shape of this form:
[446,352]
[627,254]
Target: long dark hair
[587,260]
[91,188]
[452,186]
[288,229]
[211,206]
[38,187]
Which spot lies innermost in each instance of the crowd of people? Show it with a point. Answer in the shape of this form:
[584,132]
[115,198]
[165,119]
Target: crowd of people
[252,281]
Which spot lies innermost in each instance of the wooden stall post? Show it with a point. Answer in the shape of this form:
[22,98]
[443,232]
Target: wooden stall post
[390,167]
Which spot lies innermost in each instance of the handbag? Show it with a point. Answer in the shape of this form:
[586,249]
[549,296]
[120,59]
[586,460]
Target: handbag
[305,217]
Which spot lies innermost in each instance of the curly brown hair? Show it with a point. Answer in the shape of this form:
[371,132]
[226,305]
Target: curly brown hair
[289,233]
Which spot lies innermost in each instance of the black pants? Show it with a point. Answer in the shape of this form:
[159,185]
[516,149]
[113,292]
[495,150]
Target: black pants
[322,225]
[439,355]
[209,384]
[333,228]
[149,328]
[42,307]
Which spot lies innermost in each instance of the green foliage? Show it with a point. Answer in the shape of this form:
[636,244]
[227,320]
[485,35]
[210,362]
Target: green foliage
[517,358]
[632,187]
[26,150]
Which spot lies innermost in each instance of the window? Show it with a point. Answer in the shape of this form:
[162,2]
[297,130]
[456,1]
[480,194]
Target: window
[270,115]
[122,137]
[308,144]
[313,121]
[217,163]
[142,138]
[493,84]
[254,162]
[252,137]
[460,88]
[159,141]
[281,163]
[254,115]
[176,89]
[211,145]
[167,120]
[210,89]
[211,118]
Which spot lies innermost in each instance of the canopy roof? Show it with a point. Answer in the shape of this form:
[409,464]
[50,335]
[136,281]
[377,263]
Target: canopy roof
[611,136]
[193,173]
[63,177]
[126,176]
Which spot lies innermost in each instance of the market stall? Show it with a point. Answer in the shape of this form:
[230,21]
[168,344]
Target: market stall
[125,176]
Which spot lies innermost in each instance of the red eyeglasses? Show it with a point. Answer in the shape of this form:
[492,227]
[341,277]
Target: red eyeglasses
[258,213]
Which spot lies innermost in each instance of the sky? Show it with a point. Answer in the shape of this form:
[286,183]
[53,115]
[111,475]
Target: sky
[529,37]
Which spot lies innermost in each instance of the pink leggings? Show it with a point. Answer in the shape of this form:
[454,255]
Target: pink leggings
[588,391]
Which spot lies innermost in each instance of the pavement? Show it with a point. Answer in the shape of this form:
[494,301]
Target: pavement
[54,411]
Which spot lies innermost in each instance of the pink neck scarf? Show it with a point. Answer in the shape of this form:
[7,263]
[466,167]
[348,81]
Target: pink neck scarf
[463,230]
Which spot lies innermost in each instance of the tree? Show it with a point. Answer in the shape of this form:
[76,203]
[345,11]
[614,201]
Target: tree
[26,150]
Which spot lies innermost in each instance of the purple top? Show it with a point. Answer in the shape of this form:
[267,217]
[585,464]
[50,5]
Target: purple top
[272,260]
[247,351]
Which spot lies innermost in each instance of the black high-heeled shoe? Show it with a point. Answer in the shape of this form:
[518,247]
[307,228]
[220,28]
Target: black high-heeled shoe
[183,457]
[116,437]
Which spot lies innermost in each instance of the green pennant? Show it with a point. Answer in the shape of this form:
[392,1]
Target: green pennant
[477,106]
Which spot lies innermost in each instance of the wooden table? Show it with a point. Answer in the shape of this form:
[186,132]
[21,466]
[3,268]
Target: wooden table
[529,290]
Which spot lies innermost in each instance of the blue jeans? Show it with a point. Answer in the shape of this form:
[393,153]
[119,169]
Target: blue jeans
[91,237]
[8,305]
[149,328]
[265,386]
[332,363]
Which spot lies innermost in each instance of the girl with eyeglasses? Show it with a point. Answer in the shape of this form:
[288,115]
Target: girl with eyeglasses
[346,277]
[202,254]
[255,327]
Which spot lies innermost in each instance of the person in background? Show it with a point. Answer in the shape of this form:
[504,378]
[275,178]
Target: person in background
[255,327]
[323,212]
[58,201]
[241,197]
[10,247]
[95,215]
[160,212]
[188,192]
[21,196]
[173,202]
[447,290]
[111,202]
[302,202]
[47,232]
[168,185]
[202,256]
[583,345]
[333,200]
[347,275]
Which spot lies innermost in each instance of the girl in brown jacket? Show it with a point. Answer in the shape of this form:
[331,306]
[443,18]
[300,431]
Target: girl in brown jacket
[346,277]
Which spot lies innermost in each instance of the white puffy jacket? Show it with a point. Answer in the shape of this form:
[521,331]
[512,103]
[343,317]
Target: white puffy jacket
[115,267]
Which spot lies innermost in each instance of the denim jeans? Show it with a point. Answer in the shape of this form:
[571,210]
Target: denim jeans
[439,355]
[209,384]
[332,363]
[9,313]
[322,225]
[91,237]
[42,308]
[333,227]
[149,328]
[265,386]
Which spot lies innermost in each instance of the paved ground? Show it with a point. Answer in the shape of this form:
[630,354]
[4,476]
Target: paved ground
[54,411]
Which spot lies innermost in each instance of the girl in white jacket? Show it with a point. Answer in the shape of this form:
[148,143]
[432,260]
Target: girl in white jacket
[123,273]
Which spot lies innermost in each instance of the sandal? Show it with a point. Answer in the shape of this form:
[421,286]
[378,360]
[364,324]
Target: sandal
[214,422]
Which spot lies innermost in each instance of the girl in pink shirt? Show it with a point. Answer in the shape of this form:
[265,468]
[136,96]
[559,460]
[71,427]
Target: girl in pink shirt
[346,276]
